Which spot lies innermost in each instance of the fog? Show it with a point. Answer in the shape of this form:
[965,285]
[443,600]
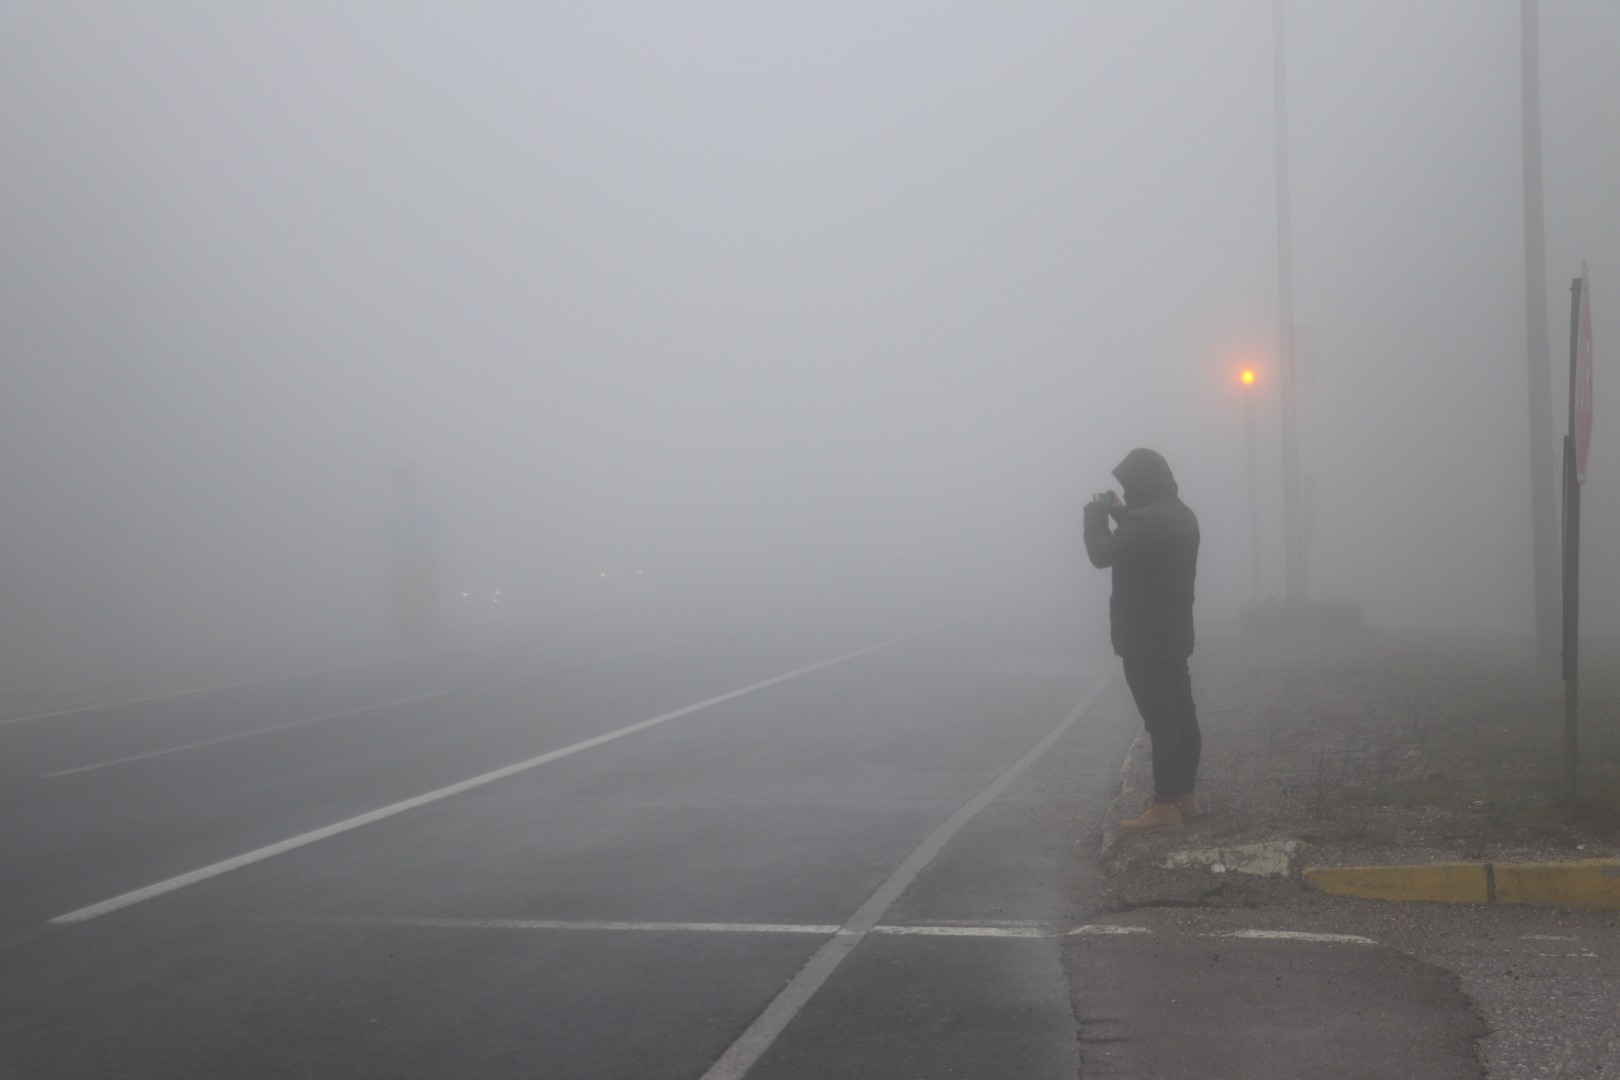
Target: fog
[781,307]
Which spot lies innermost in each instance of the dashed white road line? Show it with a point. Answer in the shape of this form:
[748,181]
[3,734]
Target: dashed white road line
[206,689]
[247,734]
[590,661]
[316,671]
[1108,930]
[1299,935]
[759,1036]
[316,835]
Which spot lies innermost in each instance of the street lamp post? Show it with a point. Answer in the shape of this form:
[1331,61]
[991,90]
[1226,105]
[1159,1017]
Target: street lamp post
[1294,576]
[1249,380]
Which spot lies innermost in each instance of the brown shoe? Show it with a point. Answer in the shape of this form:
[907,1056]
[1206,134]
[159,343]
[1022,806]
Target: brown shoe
[1190,810]
[1161,815]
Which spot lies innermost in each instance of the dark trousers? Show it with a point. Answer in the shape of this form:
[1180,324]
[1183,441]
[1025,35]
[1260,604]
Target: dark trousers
[1162,688]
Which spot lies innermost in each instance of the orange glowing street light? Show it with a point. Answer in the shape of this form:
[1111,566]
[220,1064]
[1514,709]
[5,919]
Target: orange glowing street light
[1248,377]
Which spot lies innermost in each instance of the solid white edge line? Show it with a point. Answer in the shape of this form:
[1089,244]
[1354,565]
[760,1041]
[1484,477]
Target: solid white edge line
[314,836]
[741,1055]
[246,734]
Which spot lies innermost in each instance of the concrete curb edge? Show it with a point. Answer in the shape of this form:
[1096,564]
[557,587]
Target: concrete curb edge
[1109,854]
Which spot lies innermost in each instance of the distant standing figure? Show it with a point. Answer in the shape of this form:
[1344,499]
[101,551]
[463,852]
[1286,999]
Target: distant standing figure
[1154,556]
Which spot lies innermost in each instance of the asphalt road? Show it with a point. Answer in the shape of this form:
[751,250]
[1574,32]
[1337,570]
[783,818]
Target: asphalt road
[626,907]
[810,852]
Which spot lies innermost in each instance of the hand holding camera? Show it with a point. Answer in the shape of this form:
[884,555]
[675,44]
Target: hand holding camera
[1110,502]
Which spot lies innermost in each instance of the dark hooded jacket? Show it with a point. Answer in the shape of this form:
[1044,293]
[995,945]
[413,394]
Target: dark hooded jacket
[1154,556]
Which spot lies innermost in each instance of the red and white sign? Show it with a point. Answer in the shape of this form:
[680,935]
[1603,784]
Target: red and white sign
[1582,389]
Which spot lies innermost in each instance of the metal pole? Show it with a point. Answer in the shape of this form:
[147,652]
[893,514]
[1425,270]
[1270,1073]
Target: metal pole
[1254,499]
[1293,525]
[1572,617]
[1542,511]
[1572,566]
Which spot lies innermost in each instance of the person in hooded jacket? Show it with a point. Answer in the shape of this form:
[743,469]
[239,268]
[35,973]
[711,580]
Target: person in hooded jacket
[1153,554]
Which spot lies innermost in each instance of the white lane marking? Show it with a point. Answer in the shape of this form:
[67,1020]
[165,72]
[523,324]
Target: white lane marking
[247,734]
[1022,929]
[759,1036]
[964,931]
[1299,935]
[981,922]
[314,836]
[571,665]
[431,922]
[317,671]
[206,689]
[563,924]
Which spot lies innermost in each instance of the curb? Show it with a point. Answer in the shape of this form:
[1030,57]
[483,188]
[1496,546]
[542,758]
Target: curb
[1109,854]
[1589,884]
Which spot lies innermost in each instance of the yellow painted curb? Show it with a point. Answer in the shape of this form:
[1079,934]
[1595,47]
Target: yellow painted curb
[1593,884]
[1458,883]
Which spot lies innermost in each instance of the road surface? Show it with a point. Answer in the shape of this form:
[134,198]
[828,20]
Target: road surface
[807,852]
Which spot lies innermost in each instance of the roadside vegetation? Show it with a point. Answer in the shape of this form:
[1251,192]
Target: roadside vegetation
[1396,743]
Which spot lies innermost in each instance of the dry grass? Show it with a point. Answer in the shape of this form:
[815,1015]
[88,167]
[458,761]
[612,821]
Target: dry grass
[1447,741]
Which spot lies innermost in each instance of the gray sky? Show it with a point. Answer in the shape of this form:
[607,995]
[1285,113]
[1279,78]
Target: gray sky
[835,291]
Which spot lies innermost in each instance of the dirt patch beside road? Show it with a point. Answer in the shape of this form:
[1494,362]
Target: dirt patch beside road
[1390,747]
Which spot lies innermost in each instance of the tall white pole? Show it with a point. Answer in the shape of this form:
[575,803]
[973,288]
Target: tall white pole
[1254,497]
[1543,515]
[1293,520]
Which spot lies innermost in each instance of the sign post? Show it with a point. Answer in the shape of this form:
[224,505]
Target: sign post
[1576,445]
[1249,378]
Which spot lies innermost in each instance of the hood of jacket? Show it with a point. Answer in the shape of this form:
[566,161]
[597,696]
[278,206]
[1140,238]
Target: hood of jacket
[1145,477]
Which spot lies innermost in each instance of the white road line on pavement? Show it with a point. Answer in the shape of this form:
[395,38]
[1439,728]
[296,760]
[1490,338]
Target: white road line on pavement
[571,665]
[981,922]
[752,1043]
[317,671]
[429,922]
[563,924]
[247,734]
[1299,935]
[988,928]
[964,931]
[314,836]
[206,689]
